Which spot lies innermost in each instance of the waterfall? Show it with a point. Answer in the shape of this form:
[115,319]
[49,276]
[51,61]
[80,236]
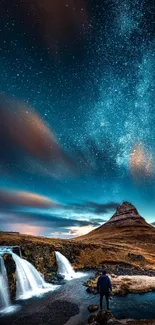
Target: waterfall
[29,281]
[65,268]
[4,292]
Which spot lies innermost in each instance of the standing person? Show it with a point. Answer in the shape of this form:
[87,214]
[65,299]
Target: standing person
[104,288]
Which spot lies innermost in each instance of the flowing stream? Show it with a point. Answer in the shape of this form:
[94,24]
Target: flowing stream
[138,306]
[30,284]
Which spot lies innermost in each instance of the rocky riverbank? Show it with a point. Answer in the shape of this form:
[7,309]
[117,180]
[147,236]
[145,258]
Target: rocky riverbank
[124,284]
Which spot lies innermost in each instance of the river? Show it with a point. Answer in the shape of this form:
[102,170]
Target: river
[48,308]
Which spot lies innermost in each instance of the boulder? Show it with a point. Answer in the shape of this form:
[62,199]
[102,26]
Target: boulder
[60,276]
[92,290]
[124,289]
[104,317]
[93,308]
[50,277]
[92,318]
[58,281]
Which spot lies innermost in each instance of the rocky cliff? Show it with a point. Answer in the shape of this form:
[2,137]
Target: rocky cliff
[40,251]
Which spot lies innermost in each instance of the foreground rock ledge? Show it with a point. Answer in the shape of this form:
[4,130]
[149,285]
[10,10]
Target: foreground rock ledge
[105,317]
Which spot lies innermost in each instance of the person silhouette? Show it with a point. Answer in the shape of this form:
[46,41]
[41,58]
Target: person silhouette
[104,288]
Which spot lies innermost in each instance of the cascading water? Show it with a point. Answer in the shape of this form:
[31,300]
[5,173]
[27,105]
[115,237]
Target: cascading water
[29,281]
[4,292]
[65,268]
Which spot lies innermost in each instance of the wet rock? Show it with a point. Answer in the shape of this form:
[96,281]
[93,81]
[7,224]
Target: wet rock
[11,269]
[93,308]
[122,290]
[92,290]
[58,282]
[60,276]
[105,317]
[92,318]
[54,279]
[50,277]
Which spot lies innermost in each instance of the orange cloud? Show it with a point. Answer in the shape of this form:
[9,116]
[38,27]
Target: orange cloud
[25,199]
[28,144]
[25,129]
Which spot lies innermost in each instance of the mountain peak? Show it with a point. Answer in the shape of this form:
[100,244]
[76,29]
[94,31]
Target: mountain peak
[126,206]
[125,211]
[126,225]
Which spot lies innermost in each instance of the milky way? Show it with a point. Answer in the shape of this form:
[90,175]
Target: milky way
[86,70]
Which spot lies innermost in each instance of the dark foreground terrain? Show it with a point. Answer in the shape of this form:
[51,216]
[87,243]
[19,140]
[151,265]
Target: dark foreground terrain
[51,313]
[69,305]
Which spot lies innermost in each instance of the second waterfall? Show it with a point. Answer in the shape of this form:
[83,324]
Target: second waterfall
[65,268]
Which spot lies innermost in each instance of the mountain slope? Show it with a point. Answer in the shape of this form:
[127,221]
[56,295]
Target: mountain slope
[125,225]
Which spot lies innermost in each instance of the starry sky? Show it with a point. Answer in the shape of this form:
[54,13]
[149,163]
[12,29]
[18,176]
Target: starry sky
[77,112]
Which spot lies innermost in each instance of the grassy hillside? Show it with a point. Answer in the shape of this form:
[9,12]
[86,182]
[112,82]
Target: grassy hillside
[83,253]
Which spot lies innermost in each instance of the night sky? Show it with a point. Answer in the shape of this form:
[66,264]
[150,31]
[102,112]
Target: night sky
[77,112]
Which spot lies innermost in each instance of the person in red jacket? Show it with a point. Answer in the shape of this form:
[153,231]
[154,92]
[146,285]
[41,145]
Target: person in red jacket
[104,287]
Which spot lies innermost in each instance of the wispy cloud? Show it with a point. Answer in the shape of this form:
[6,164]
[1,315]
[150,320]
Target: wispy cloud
[38,215]
[79,231]
[73,232]
[34,213]
[94,207]
[17,199]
